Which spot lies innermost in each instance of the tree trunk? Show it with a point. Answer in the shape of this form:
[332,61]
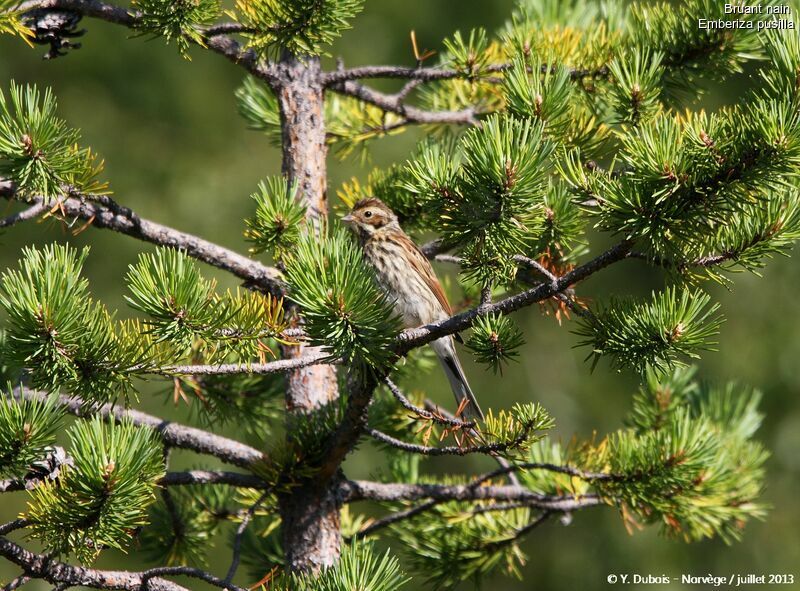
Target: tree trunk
[310,513]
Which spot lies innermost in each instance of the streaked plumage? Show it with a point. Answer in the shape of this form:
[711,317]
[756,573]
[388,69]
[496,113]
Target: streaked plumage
[405,274]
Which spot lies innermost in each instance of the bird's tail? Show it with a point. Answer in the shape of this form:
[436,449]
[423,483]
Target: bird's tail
[446,351]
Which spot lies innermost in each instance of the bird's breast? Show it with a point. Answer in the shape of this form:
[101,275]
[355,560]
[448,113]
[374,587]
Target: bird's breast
[414,300]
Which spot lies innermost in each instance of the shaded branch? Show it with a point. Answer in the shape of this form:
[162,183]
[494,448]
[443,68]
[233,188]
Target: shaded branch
[103,212]
[450,450]
[173,434]
[192,477]
[27,214]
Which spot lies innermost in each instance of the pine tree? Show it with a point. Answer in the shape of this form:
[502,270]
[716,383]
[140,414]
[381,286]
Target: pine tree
[575,115]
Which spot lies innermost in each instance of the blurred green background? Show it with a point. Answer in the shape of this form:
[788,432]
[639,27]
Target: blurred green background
[177,152]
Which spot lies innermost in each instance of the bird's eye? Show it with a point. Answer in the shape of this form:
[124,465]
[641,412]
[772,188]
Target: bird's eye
[368,214]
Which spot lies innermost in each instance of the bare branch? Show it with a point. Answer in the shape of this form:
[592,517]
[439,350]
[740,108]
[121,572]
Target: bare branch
[416,337]
[450,450]
[39,566]
[242,368]
[432,415]
[27,214]
[359,490]
[105,213]
[237,541]
[191,477]
[173,434]
[396,104]
[391,518]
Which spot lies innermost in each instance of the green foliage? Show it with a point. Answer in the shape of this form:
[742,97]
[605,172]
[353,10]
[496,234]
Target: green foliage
[359,567]
[10,21]
[470,56]
[343,308]
[250,402]
[636,87]
[386,185]
[454,543]
[491,199]
[177,20]
[27,430]
[534,89]
[561,233]
[689,462]
[691,53]
[685,178]
[278,219]
[182,529]
[302,27]
[494,340]
[100,501]
[781,74]
[258,105]
[516,429]
[37,149]
[672,324]
[57,333]
[184,307]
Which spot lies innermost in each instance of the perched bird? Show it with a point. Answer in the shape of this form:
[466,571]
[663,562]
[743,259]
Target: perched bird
[406,275]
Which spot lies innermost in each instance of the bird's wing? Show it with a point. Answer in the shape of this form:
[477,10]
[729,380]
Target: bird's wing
[421,265]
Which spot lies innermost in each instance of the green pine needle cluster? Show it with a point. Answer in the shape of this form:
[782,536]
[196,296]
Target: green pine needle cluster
[303,27]
[55,330]
[495,340]
[516,429]
[491,196]
[454,543]
[27,430]
[672,325]
[100,501]
[177,20]
[38,151]
[359,567]
[689,462]
[279,217]
[182,532]
[183,308]
[343,308]
[10,21]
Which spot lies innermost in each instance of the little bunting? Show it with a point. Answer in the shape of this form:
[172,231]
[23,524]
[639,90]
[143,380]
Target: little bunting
[403,272]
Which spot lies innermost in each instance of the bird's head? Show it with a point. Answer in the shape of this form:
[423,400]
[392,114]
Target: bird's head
[370,215]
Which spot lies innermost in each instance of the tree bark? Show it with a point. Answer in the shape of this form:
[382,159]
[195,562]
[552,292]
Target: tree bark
[310,513]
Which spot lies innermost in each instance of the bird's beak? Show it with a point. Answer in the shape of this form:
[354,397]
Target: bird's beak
[348,219]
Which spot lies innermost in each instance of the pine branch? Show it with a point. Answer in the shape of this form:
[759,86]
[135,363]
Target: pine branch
[27,214]
[103,212]
[359,490]
[430,415]
[195,477]
[416,337]
[450,450]
[173,434]
[396,104]
[40,566]
[278,366]
[216,41]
